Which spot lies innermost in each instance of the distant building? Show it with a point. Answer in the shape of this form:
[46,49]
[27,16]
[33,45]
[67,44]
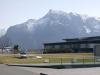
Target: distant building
[6,50]
[76,45]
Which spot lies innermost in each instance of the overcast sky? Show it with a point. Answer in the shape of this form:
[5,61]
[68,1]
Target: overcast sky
[17,11]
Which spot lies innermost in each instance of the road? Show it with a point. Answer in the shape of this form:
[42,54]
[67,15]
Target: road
[12,70]
[71,71]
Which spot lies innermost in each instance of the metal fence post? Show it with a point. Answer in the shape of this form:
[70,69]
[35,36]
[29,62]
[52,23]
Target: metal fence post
[61,61]
[49,60]
[94,60]
[72,60]
[83,60]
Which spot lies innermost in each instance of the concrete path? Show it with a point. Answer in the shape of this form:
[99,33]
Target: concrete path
[12,70]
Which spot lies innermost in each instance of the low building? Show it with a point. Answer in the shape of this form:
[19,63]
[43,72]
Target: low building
[6,50]
[76,45]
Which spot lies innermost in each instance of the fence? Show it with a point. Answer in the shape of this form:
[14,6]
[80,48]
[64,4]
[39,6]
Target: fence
[56,59]
[61,60]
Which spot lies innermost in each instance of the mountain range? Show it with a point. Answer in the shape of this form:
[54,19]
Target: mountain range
[53,27]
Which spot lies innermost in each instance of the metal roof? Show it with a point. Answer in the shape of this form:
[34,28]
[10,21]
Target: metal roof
[95,39]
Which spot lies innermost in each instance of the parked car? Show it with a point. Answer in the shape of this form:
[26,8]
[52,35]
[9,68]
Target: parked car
[23,55]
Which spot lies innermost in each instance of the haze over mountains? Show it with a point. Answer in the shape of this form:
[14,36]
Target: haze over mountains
[2,31]
[53,27]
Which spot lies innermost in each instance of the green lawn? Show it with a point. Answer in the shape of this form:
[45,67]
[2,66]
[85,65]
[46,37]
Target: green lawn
[50,58]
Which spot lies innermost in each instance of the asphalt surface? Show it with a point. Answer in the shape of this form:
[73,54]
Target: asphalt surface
[12,70]
[71,71]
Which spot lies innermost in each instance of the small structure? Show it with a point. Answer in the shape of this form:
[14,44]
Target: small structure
[6,50]
[38,57]
[76,45]
[46,61]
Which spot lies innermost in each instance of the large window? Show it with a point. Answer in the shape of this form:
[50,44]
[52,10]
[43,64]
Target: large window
[49,46]
[57,46]
[84,46]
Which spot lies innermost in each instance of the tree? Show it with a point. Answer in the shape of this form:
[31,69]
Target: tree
[4,42]
[16,49]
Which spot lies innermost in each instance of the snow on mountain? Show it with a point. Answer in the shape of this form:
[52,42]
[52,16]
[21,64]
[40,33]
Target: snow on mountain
[53,27]
[30,25]
[87,29]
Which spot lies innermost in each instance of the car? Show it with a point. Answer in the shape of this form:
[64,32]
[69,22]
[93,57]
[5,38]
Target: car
[23,55]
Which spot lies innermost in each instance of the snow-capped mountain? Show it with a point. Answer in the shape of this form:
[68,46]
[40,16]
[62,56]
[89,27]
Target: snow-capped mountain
[53,27]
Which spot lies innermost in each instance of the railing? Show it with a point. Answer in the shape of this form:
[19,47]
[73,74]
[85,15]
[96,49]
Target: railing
[82,60]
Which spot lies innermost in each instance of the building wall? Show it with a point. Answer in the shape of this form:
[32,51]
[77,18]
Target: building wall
[85,44]
[69,48]
[97,51]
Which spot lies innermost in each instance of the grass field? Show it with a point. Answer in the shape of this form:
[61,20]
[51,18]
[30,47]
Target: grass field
[47,58]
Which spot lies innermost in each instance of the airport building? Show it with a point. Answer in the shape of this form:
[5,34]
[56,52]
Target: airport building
[75,45]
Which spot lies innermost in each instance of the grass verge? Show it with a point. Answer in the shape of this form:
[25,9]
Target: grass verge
[47,58]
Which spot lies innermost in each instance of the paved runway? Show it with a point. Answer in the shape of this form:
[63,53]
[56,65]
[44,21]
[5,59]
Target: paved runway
[12,70]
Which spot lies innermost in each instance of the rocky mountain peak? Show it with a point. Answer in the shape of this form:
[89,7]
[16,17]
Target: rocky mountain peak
[54,26]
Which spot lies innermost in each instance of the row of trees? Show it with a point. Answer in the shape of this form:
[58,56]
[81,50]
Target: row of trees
[6,42]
